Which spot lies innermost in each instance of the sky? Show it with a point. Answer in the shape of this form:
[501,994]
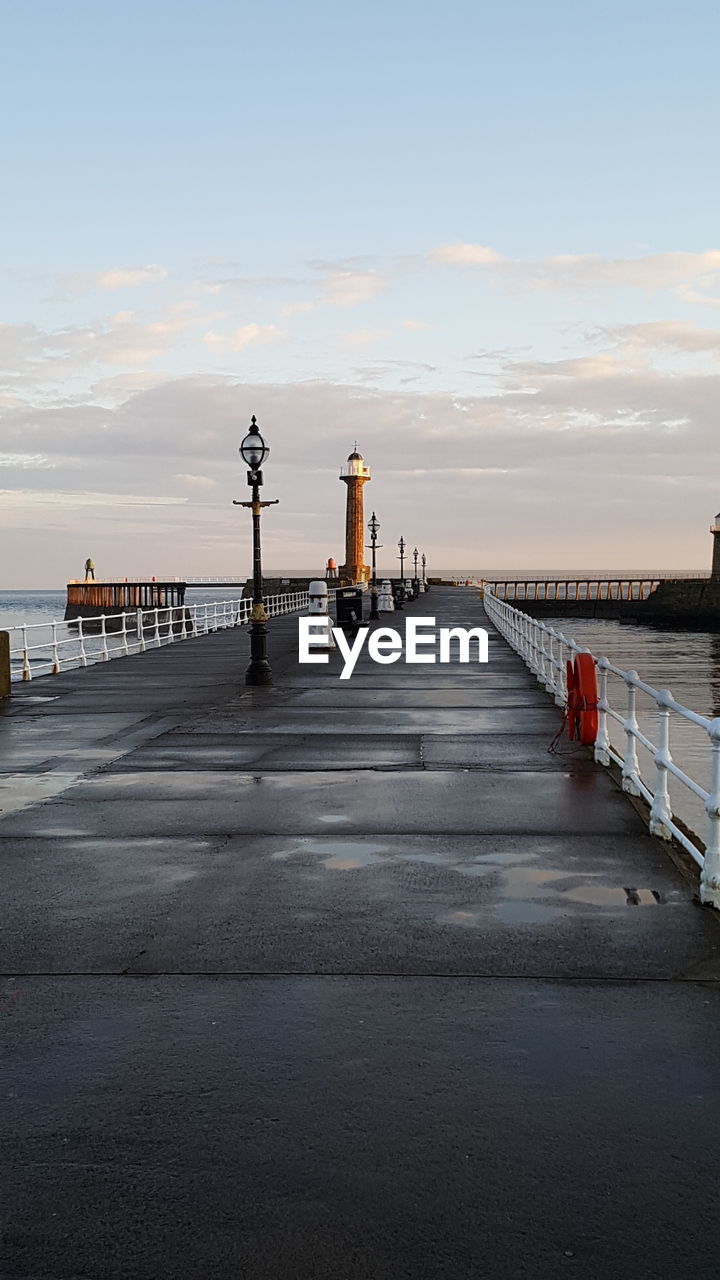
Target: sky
[479,239]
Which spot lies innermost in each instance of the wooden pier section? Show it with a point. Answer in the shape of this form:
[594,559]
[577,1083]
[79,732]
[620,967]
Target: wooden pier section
[90,599]
[342,980]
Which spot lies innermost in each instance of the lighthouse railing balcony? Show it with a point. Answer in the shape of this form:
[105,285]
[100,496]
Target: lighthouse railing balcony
[677,803]
[355,467]
[48,648]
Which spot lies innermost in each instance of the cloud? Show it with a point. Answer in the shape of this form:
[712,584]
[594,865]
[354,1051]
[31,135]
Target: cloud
[248,335]
[463,254]
[130,277]
[200,483]
[30,498]
[418,325]
[339,287]
[674,335]
[298,308]
[32,357]
[656,272]
[688,275]
[351,288]
[568,462]
[112,278]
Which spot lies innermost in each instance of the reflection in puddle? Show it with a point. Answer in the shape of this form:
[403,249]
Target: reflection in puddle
[20,790]
[497,860]
[526,913]
[597,895]
[526,894]
[336,855]
[521,881]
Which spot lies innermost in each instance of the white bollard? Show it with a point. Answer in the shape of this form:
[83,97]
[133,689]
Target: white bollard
[386,604]
[318,608]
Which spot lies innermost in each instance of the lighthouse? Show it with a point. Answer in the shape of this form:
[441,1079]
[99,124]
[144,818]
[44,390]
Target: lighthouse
[715,531]
[354,474]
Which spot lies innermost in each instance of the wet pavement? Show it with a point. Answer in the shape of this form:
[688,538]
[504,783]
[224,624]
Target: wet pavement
[342,980]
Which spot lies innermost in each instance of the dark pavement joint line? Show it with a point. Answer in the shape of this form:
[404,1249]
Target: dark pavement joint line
[342,981]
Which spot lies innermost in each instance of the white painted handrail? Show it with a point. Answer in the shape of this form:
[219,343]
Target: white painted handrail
[47,648]
[545,651]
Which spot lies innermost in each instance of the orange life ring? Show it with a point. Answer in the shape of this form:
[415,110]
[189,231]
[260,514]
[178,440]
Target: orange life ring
[582,707]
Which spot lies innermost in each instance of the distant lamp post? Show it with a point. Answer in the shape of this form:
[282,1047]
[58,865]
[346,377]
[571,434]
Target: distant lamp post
[416,580]
[373,526]
[254,451]
[424,562]
[400,597]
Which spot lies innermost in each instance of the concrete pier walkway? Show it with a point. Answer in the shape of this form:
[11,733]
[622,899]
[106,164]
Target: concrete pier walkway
[342,981]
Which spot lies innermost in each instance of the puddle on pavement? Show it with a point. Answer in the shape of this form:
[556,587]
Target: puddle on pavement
[40,697]
[337,855]
[597,895]
[526,913]
[20,790]
[506,912]
[523,882]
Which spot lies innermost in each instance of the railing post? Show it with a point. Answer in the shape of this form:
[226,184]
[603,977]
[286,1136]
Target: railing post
[81,637]
[4,664]
[103,633]
[550,676]
[26,668]
[55,654]
[631,764]
[156,633]
[661,809]
[140,630]
[538,643]
[560,689]
[602,741]
[124,634]
[710,874]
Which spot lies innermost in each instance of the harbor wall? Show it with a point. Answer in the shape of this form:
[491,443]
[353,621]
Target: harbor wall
[676,603]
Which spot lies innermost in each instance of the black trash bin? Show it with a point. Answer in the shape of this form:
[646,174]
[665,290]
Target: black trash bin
[349,606]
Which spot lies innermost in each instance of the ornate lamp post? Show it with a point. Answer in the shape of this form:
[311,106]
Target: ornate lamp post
[401,589]
[373,526]
[424,580]
[254,451]
[416,582]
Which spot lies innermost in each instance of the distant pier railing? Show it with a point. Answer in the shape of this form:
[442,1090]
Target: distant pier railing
[608,586]
[574,589]
[545,651]
[47,648]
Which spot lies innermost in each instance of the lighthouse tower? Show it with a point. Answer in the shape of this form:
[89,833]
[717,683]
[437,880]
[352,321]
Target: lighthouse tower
[355,474]
[715,531]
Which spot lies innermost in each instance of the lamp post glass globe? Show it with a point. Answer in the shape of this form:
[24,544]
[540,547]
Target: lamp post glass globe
[253,449]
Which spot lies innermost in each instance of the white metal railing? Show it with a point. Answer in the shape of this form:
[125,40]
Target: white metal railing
[545,651]
[47,648]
